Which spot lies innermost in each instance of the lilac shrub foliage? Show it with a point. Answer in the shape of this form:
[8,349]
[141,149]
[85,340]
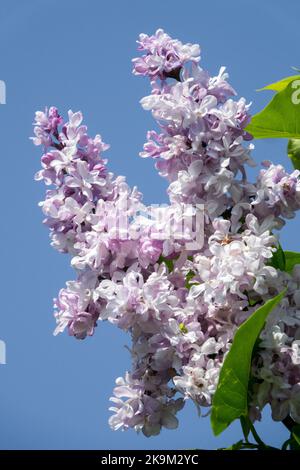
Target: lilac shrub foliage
[181,307]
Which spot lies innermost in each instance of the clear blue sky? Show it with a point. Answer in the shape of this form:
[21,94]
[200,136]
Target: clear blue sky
[54,391]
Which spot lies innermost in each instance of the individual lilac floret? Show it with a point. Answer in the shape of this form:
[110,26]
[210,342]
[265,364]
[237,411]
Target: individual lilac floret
[164,56]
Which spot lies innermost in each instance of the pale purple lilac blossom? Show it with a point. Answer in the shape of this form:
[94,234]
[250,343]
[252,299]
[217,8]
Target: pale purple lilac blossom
[181,320]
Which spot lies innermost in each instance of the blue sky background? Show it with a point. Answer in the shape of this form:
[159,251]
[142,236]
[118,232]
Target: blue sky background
[54,391]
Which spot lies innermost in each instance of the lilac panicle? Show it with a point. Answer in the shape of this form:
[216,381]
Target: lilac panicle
[180,306]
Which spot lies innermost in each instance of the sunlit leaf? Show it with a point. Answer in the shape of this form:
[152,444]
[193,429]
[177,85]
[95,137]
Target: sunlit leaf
[281,117]
[281,84]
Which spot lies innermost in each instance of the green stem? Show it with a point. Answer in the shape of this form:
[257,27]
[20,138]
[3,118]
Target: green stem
[256,436]
[289,423]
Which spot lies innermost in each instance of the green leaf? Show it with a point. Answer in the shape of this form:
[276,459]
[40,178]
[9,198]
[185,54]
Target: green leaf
[278,259]
[281,117]
[293,150]
[230,401]
[281,84]
[296,434]
[291,259]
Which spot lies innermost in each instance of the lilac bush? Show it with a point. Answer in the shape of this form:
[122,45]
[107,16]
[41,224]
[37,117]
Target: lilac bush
[180,305]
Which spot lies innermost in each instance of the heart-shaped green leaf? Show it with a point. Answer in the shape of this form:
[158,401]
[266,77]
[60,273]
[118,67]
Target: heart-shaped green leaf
[281,117]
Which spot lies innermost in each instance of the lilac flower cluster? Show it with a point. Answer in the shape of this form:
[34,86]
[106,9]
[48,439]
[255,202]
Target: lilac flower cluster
[181,306]
[165,56]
